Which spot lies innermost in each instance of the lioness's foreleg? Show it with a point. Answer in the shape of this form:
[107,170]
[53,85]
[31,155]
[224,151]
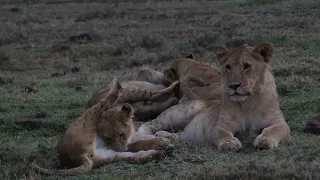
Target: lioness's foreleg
[176,117]
[272,135]
[223,134]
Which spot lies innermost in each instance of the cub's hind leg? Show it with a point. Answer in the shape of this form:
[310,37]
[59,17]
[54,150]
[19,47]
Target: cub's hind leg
[147,112]
[150,75]
[176,117]
[105,156]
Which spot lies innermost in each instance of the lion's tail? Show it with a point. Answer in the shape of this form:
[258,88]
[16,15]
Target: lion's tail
[84,168]
[185,88]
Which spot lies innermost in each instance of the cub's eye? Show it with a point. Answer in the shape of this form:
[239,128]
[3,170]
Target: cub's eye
[228,67]
[121,135]
[246,66]
[107,139]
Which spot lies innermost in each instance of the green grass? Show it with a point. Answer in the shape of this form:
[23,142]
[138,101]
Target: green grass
[137,32]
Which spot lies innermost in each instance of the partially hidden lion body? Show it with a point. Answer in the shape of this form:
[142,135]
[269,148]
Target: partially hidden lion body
[144,109]
[249,102]
[186,67]
[104,134]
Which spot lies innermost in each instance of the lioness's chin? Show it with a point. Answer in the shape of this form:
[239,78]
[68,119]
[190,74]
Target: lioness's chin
[238,98]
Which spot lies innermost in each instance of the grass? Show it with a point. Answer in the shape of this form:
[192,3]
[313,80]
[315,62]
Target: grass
[151,34]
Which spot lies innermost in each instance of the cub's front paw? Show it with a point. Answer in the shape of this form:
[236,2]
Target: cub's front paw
[263,143]
[164,134]
[163,145]
[233,145]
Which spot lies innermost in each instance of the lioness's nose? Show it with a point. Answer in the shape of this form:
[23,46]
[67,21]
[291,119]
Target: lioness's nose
[234,86]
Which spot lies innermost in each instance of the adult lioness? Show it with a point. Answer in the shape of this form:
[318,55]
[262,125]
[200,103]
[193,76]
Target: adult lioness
[102,135]
[249,101]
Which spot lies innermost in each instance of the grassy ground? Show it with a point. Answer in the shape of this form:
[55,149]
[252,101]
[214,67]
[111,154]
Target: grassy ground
[35,37]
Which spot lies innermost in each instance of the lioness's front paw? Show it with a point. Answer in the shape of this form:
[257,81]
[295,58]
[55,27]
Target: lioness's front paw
[163,145]
[230,145]
[262,143]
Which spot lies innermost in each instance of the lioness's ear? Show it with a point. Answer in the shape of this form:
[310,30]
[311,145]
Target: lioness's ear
[265,50]
[221,53]
[190,56]
[127,109]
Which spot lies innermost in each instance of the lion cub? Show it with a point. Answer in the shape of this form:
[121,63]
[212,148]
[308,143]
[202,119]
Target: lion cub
[104,135]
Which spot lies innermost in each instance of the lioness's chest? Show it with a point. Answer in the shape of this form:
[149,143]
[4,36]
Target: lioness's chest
[253,123]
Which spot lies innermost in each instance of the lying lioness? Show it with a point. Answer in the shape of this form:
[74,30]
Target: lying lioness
[249,101]
[104,135]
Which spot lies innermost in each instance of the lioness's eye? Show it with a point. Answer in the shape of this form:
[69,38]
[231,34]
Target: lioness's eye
[246,66]
[228,67]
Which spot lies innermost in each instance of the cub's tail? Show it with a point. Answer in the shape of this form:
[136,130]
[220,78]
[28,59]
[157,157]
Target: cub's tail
[84,168]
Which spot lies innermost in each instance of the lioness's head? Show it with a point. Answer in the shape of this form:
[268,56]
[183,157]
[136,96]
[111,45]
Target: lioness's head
[243,69]
[115,127]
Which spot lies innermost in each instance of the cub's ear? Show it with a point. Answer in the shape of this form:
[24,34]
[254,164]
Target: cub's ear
[190,56]
[265,50]
[127,109]
[115,92]
[221,53]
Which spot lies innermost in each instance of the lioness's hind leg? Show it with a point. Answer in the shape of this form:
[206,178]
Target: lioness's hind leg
[176,117]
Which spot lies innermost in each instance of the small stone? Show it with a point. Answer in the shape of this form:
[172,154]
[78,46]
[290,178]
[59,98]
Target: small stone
[81,88]
[75,69]
[111,64]
[313,125]
[15,9]
[15,68]
[4,58]
[84,37]
[60,48]
[31,18]
[57,74]
[29,123]
[5,80]
[29,89]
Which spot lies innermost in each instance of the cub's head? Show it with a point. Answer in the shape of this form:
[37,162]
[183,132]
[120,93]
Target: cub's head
[115,127]
[243,69]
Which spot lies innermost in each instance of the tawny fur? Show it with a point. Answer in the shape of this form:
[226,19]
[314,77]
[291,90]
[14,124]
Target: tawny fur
[249,102]
[137,93]
[188,67]
[104,135]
